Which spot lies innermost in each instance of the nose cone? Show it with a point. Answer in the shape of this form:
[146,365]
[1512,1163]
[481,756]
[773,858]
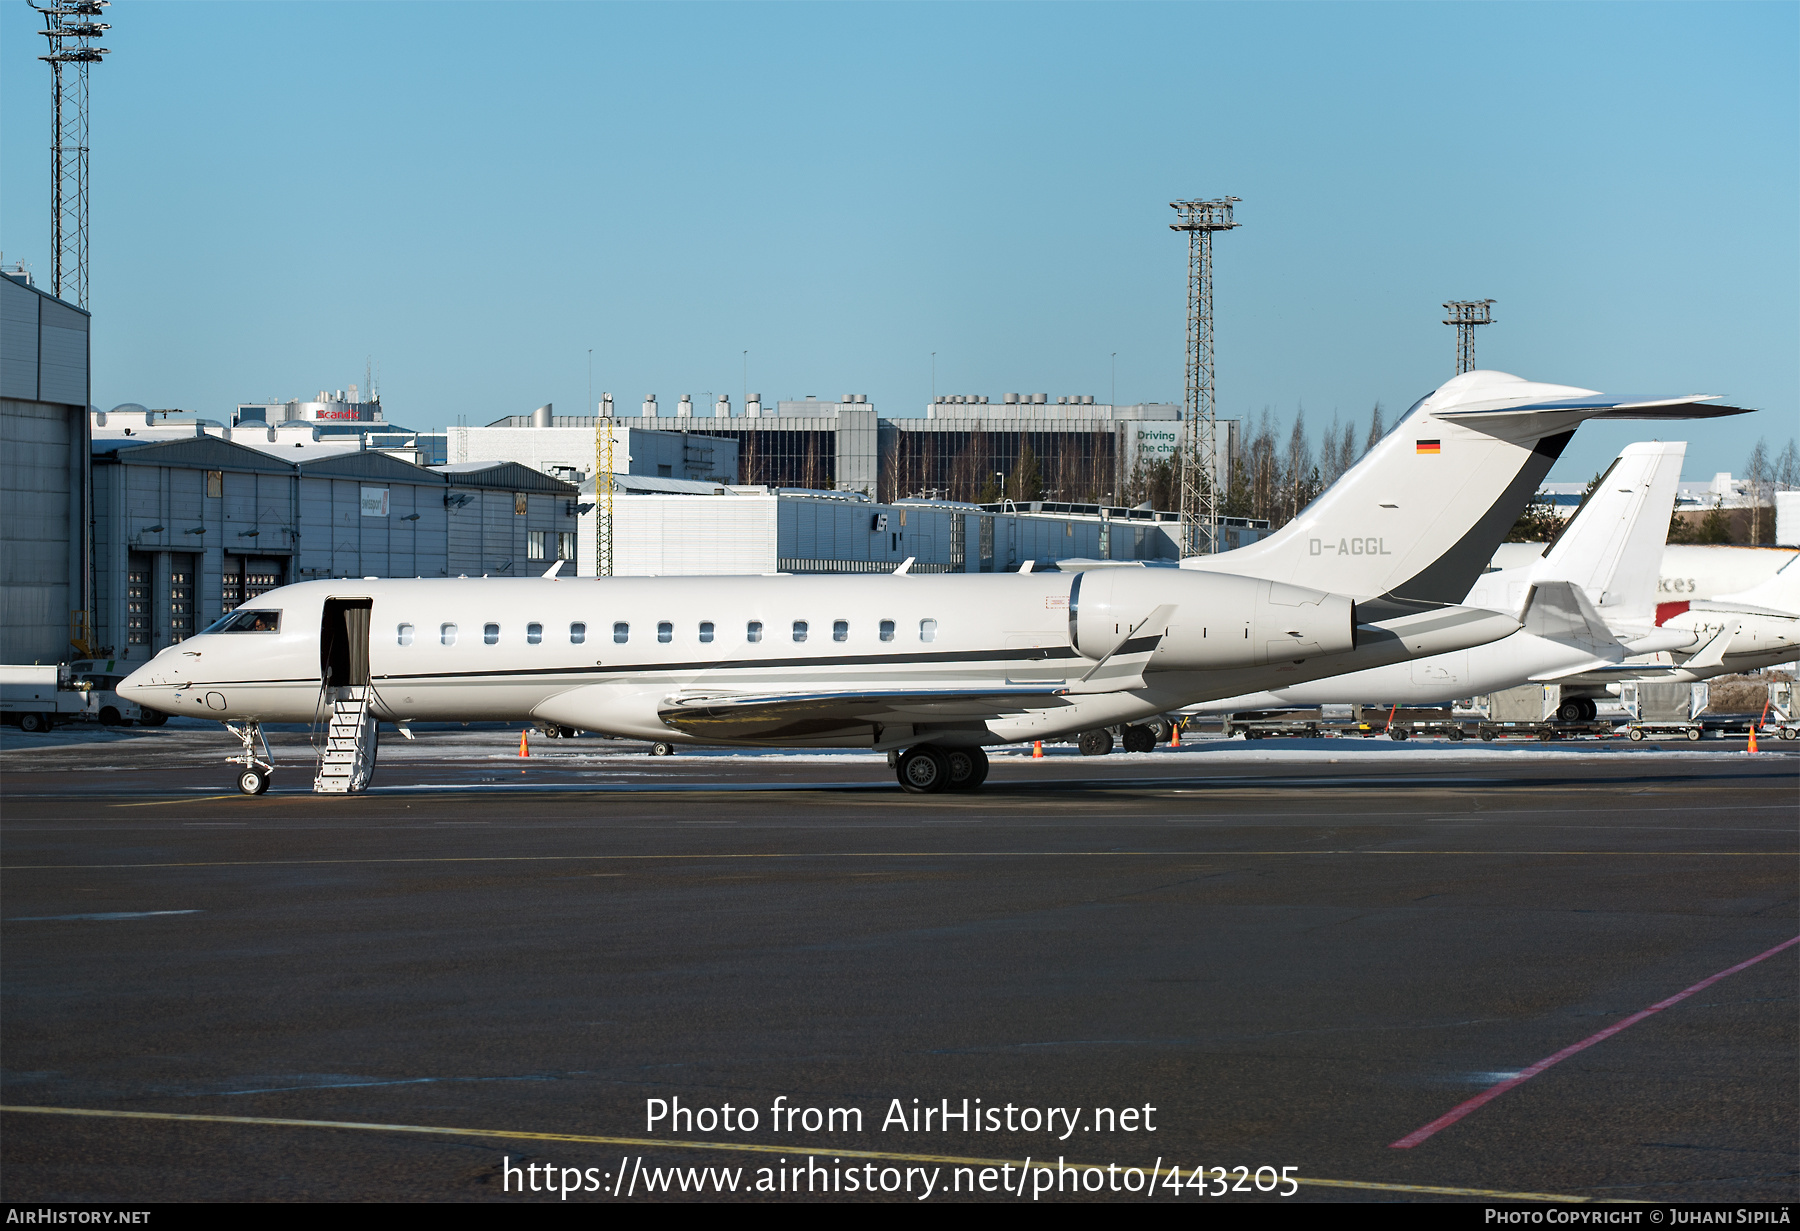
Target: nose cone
[136,686]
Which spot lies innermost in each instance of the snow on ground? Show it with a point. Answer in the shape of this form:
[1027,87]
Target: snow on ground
[497,742]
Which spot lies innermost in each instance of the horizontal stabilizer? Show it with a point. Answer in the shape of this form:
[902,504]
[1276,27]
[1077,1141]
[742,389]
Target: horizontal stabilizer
[795,715]
[1603,406]
[1560,611]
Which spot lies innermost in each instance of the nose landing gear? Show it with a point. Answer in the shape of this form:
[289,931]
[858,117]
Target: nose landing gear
[254,777]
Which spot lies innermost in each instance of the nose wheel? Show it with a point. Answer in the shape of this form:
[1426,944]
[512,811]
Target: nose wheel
[254,771]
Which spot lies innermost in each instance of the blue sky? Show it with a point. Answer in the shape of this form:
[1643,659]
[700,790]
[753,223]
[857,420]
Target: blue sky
[476,194]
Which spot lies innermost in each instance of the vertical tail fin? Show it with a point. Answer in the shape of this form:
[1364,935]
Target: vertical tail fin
[1420,516]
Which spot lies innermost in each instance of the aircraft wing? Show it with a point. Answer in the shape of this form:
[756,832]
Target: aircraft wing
[793,715]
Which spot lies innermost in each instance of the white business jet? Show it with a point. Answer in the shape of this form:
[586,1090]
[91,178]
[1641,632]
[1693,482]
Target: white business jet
[1589,602]
[930,667]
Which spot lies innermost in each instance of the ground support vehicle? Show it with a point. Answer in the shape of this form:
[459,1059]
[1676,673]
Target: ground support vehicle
[1664,708]
[35,698]
[1538,711]
[99,679]
[1785,720]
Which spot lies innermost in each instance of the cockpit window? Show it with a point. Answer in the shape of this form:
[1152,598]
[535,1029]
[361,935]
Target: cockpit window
[246,622]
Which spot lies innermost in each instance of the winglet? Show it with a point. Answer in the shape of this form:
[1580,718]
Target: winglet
[905,566]
[553,570]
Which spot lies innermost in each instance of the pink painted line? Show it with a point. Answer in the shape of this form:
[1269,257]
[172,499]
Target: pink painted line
[1489,1095]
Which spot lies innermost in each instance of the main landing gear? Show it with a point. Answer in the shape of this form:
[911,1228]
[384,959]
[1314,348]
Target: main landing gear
[925,769]
[253,778]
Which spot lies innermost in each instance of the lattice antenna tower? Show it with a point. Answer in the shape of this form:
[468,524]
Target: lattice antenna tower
[71,29]
[1199,460]
[603,487]
[1465,314]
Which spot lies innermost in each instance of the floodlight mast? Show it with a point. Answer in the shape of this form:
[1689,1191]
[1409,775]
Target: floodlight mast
[70,27]
[1199,456]
[1465,314]
[603,487]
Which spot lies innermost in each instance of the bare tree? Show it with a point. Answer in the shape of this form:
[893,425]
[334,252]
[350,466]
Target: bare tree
[1347,447]
[1759,477]
[1787,468]
[1328,452]
[1299,465]
[1376,431]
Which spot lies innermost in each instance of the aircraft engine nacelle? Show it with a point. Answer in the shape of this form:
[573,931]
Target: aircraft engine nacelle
[1220,620]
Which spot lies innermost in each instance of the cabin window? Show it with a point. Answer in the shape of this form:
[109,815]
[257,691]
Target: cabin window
[753,631]
[534,634]
[927,630]
[403,634]
[665,632]
[577,634]
[447,634]
[887,630]
[621,633]
[490,634]
[706,632]
[799,630]
[840,630]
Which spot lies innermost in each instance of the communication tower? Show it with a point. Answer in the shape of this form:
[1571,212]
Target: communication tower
[1199,460]
[603,488]
[1465,314]
[71,29]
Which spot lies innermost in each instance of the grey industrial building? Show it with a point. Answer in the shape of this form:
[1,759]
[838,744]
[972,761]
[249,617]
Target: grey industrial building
[186,529]
[1084,452]
[45,494]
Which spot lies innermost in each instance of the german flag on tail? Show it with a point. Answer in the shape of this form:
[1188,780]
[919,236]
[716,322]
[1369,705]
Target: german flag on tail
[1427,446]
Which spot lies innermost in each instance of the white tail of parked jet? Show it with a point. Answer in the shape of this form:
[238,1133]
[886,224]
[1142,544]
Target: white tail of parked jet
[1420,516]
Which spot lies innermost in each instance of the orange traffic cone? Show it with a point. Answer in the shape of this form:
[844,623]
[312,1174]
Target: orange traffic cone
[524,748]
[1752,747]
[1175,735]
[1037,749]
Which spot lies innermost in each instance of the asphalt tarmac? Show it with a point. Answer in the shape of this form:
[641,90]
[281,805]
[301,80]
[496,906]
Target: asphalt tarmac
[1297,959]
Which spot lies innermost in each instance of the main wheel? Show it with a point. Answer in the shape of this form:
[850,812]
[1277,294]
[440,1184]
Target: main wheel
[253,781]
[1570,710]
[968,768]
[1095,743]
[152,718]
[924,770]
[1590,709]
[1693,734]
[1637,735]
[31,724]
[660,749]
[1140,739]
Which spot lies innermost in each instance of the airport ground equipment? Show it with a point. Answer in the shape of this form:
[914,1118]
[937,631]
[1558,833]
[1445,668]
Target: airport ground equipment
[350,743]
[35,698]
[1538,711]
[99,680]
[1781,706]
[1659,707]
